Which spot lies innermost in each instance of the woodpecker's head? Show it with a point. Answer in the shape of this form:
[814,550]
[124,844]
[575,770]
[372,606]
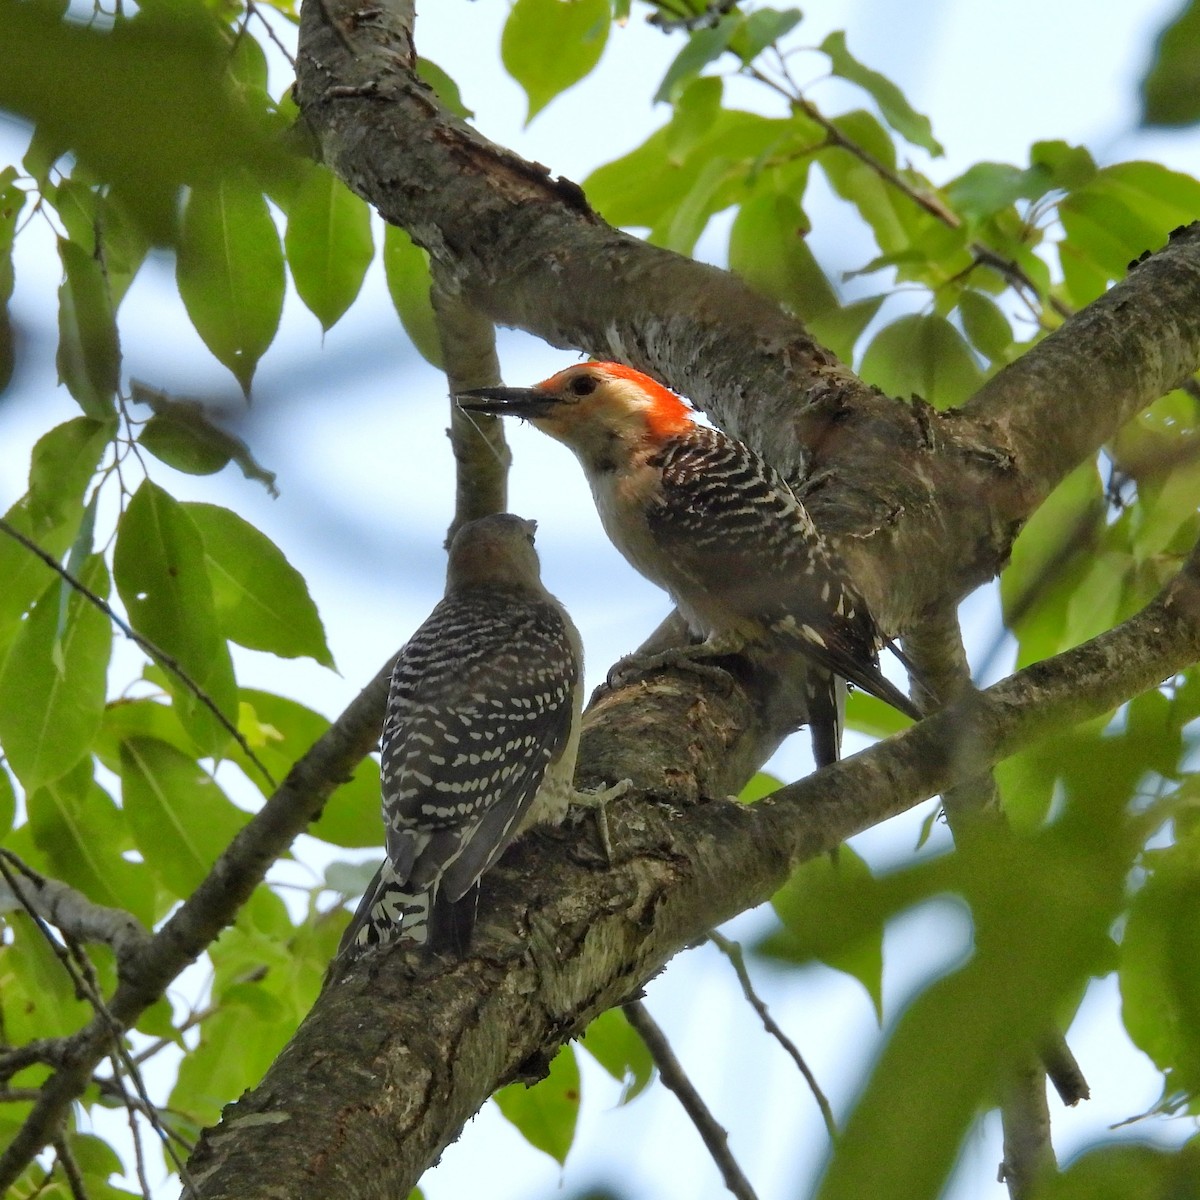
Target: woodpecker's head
[604,411]
[494,551]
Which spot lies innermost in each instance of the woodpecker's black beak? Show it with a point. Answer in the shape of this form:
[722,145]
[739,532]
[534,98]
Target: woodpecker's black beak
[507,401]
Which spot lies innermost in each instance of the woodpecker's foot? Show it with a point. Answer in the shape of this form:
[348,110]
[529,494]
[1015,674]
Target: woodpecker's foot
[597,803]
[810,483]
[685,658]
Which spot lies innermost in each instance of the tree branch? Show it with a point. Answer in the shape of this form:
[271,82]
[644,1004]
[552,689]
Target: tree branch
[733,952]
[397,1055]
[1059,403]
[526,250]
[72,912]
[214,904]
[1028,1152]
[481,454]
[675,1078]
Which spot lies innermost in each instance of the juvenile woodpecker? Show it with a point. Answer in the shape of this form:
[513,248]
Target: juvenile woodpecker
[479,738]
[703,516]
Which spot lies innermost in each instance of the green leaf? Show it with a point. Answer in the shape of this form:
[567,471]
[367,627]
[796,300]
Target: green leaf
[445,88]
[703,46]
[329,244]
[1127,1172]
[697,107]
[160,574]
[616,1046]
[761,29]
[62,465]
[761,784]
[813,906]
[38,998]
[841,328]
[546,1113]
[989,187]
[406,267]
[89,350]
[1049,560]
[1069,166]
[112,93]
[706,197]
[25,576]
[986,326]
[83,835]
[767,248]
[181,435]
[279,731]
[101,226]
[1171,88]
[922,355]
[12,200]
[50,711]
[181,819]
[646,186]
[1160,965]
[1123,211]
[230,273]
[548,45]
[897,111]
[261,600]
[237,1045]
[8,802]
[1041,909]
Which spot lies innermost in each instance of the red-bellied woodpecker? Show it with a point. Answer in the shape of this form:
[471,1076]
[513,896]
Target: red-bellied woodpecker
[479,739]
[703,516]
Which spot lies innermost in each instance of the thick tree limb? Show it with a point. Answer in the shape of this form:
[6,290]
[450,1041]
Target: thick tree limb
[526,250]
[396,1056]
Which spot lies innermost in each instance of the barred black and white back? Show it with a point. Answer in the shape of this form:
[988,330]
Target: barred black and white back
[478,742]
[752,561]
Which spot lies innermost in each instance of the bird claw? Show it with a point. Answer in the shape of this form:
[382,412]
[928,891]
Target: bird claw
[596,802]
[683,658]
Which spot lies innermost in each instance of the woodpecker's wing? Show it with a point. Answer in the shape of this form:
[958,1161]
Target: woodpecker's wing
[481,703]
[729,521]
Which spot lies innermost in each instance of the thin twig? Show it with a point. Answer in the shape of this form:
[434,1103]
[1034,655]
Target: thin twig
[676,1080]
[733,952]
[75,1180]
[254,11]
[87,987]
[161,657]
[1028,1153]
[48,1052]
[984,255]
[211,906]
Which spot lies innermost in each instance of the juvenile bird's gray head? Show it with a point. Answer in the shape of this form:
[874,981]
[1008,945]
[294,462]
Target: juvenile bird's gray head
[496,550]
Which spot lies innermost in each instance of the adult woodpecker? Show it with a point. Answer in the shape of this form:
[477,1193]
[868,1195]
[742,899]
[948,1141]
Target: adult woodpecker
[479,738]
[703,516]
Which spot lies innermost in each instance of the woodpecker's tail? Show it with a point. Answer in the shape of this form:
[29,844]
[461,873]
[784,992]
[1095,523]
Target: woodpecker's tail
[391,910]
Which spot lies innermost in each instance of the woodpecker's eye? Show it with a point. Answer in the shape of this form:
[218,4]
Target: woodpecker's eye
[582,385]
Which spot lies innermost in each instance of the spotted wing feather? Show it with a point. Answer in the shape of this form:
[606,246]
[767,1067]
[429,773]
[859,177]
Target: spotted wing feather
[737,531]
[481,703]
